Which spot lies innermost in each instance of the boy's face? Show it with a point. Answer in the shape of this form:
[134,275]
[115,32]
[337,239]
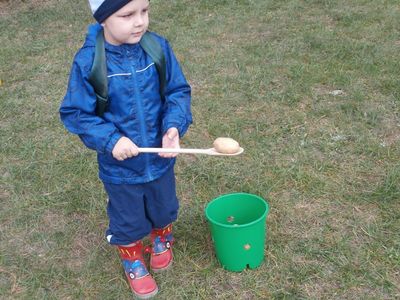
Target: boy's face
[127,25]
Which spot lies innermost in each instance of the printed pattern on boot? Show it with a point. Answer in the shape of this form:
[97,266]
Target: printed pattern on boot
[162,244]
[134,269]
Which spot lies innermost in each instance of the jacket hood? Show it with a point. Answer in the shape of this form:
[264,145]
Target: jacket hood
[91,34]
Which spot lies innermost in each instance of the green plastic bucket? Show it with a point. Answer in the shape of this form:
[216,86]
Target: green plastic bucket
[238,229]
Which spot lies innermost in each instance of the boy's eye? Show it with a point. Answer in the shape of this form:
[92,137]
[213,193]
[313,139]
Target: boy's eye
[127,15]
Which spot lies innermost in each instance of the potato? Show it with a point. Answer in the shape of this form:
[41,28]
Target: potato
[226,145]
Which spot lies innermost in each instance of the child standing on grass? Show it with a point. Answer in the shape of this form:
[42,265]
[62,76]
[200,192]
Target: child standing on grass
[140,187]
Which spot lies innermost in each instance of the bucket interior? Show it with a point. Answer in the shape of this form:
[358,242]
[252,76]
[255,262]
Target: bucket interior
[236,209]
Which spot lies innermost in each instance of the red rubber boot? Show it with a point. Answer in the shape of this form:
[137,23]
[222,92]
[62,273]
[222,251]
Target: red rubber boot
[161,252]
[141,282]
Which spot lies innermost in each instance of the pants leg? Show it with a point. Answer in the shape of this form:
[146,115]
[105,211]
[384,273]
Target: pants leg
[161,202]
[126,213]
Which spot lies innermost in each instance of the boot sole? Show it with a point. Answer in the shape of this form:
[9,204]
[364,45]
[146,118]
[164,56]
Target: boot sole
[146,296]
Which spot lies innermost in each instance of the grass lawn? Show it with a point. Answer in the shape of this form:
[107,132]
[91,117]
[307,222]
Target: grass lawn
[310,89]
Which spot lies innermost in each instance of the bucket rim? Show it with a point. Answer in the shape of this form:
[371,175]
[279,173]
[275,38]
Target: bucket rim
[237,225]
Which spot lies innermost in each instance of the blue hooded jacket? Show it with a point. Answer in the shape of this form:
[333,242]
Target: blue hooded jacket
[135,108]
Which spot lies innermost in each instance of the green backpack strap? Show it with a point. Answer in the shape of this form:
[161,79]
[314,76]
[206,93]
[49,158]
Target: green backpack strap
[98,75]
[153,48]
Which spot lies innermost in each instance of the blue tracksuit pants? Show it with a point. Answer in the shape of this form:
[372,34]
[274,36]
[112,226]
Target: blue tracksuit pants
[134,209]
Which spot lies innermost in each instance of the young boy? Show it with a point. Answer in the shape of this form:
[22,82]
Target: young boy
[140,187]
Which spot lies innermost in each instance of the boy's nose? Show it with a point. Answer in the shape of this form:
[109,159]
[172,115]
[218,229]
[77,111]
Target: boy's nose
[139,21]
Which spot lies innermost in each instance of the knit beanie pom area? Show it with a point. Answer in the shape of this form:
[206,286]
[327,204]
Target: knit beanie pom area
[102,9]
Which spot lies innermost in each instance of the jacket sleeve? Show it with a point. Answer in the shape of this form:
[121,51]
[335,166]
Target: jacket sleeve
[77,112]
[177,112]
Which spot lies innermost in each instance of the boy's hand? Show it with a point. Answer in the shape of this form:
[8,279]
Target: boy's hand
[170,140]
[124,149]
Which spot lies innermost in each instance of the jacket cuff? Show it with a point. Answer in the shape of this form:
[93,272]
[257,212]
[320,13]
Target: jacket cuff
[113,140]
[168,125]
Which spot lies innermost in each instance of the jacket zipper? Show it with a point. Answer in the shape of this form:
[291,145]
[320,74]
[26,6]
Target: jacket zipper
[142,124]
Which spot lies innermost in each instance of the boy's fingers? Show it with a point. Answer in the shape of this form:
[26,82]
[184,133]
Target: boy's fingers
[134,152]
[168,155]
[172,133]
[131,152]
[126,152]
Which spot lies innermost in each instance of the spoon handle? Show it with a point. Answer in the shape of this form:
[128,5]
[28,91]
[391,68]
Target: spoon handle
[175,150]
